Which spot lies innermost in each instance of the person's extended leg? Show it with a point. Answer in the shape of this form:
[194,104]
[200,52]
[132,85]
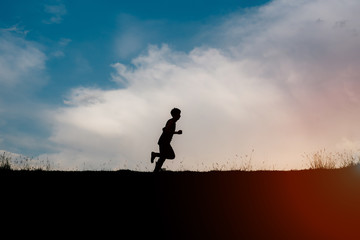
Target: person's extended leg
[166,152]
[159,164]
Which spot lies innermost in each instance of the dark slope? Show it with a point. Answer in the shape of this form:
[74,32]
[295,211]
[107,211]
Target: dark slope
[310,204]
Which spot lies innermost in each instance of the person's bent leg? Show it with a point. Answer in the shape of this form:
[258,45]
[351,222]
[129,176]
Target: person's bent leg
[170,153]
[154,155]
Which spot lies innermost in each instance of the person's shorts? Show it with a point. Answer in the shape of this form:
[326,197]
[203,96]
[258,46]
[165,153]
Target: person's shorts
[166,151]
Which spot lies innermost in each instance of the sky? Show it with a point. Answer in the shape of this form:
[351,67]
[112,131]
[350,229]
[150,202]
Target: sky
[88,85]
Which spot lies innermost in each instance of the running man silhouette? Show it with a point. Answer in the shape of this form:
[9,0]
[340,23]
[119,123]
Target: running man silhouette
[166,151]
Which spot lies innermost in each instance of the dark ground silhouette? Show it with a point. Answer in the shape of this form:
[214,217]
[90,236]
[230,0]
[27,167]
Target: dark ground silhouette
[309,204]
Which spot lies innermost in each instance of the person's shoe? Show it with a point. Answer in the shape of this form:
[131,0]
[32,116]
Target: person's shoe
[152,157]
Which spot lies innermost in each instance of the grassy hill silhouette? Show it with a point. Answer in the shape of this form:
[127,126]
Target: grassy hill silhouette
[306,204]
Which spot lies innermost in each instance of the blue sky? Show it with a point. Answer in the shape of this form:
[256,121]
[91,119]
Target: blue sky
[77,76]
[78,37]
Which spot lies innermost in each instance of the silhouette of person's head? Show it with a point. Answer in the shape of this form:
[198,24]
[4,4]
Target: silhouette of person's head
[175,113]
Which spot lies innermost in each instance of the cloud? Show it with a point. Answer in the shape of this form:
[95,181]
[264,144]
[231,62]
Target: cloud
[15,29]
[134,34]
[281,79]
[60,48]
[64,42]
[56,11]
[22,73]
[19,59]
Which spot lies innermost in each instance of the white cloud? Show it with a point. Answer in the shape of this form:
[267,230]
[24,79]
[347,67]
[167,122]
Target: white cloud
[19,59]
[56,11]
[15,29]
[282,80]
[59,51]
[64,42]
[58,54]
[134,34]
[22,72]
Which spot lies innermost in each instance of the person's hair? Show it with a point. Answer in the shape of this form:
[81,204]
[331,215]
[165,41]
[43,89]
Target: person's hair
[175,111]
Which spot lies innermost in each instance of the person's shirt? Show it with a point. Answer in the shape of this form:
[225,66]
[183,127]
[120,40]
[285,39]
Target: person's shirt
[168,132]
